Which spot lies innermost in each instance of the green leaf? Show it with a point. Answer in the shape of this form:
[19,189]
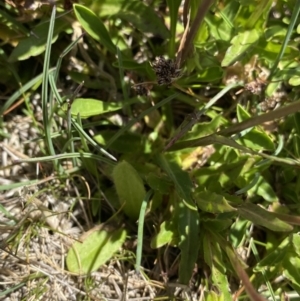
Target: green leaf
[296,243]
[95,250]
[127,143]
[217,225]
[294,80]
[262,217]
[173,7]
[210,74]
[291,265]
[130,189]
[94,26]
[275,257]
[188,228]
[35,44]
[257,140]
[275,31]
[13,24]
[261,187]
[158,182]
[254,139]
[144,18]
[167,233]
[180,179]
[240,44]
[211,202]
[88,107]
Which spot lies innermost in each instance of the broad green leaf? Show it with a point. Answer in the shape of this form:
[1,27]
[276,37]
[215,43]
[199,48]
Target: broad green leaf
[296,243]
[143,18]
[262,217]
[127,143]
[94,26]
[130,189]
[211,202]
[224,174]
[130,64]
[95,250]
[106,8]
[269,51]
[257,140]
[205,128]
[291,267]
[210,74]
[261,187]
[275,31]
[217,225]
[218,29]
[88,107]
[264,189]
[254,139]
[158,182]
[35,44]
[294,81]
[275,257]
[168,232]
[240,44]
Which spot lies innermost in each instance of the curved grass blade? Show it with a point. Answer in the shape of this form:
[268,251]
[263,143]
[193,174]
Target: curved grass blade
[47,123]
[74,122]
[65,156]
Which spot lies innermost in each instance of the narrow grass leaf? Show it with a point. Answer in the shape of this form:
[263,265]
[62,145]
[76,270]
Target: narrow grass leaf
[293,22]
[76,125]
[139,247]
[47,110]
[173,7]
[188,228]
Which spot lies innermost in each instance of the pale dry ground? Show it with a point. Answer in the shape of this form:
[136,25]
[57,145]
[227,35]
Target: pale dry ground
[38,229]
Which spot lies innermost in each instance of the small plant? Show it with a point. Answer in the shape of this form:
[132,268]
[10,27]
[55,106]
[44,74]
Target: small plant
[194,170]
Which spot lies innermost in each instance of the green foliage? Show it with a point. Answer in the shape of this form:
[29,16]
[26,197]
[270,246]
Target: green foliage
[95,249]
[198,162]
[130,188]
